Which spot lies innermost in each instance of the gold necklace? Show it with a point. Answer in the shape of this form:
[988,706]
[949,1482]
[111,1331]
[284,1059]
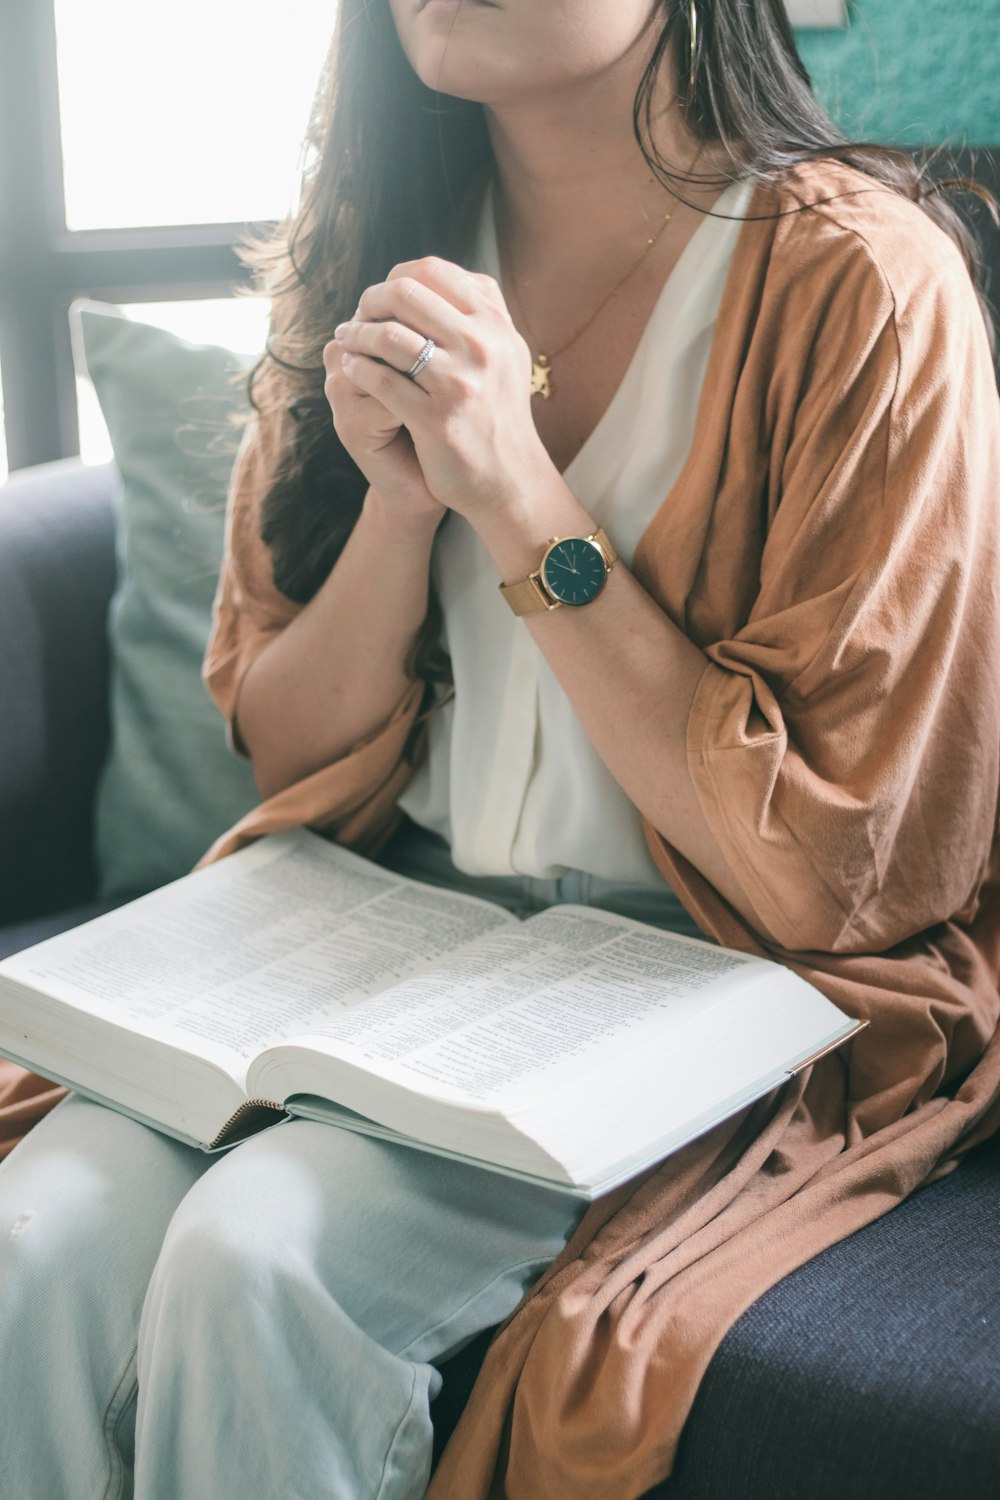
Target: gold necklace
[541,365]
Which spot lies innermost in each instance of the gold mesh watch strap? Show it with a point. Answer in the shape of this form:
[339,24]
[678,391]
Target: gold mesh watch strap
[607,546]
[530,595]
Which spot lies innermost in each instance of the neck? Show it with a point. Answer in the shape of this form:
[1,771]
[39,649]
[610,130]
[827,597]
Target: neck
[570,172]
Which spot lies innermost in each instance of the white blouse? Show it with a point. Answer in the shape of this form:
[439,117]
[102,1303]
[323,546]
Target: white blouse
[511,780]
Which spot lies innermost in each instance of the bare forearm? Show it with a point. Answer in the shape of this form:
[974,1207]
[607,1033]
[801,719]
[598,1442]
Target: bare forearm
[630,674]
[338,670]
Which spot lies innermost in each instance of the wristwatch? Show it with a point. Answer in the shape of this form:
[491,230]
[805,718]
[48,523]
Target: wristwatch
[573,570]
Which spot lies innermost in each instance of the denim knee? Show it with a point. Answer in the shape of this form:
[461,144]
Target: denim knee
[215,1271]
[252,1378]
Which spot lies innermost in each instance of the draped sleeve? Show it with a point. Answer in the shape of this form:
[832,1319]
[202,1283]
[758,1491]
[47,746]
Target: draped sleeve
[844,737]
[249,611]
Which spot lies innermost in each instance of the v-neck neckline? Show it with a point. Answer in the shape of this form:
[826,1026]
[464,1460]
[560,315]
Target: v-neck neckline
[663,311]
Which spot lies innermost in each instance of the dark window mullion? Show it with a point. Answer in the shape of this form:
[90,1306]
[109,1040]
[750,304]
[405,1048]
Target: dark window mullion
[30,210]
[83,271]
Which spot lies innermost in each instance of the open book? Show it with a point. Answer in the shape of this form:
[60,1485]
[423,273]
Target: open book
[297,978]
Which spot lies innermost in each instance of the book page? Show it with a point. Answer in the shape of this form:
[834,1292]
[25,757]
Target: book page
[520,1003]
[251,949]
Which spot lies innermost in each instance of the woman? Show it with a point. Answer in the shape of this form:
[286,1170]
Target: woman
[764,708]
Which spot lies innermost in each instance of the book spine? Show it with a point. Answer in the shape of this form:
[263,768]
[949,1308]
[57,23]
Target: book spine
[253,1115]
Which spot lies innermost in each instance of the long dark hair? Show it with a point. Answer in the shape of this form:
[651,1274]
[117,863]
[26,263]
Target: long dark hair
[390,174]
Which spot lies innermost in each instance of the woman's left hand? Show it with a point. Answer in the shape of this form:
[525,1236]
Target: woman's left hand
[468,411]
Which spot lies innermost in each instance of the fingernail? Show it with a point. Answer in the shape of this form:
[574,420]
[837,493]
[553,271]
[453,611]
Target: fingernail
[340,330]
[345,359]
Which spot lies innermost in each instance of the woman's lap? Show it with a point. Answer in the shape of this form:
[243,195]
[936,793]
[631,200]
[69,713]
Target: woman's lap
[395,1230]
[279,1307]
[283,1279]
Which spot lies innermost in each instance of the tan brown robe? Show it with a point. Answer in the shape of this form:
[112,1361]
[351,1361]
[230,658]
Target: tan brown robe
[832,545]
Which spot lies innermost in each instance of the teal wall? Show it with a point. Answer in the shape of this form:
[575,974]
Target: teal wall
[912,71]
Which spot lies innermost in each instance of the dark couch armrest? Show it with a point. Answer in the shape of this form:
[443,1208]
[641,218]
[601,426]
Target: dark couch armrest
[57,573]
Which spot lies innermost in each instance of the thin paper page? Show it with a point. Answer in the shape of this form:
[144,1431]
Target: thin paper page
[249,950]
[529,1000]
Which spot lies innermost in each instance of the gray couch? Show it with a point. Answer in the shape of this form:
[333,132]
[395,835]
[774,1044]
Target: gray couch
[871,1373]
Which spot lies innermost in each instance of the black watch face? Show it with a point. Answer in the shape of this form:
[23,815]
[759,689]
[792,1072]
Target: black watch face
[574,571]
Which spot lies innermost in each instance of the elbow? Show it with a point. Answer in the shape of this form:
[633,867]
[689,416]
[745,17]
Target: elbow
[269,778]
[805,906]
[274,765]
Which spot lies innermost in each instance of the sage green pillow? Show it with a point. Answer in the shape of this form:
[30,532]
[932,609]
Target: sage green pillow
[170,784]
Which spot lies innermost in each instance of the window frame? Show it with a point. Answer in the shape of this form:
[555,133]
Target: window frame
[44,266]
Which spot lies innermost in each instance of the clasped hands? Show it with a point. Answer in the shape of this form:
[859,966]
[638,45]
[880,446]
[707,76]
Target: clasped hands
[460,436]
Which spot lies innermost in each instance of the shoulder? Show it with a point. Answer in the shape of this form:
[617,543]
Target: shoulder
[840,233]
[847,278]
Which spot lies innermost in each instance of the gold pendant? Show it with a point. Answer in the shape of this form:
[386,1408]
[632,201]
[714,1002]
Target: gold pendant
[541,377]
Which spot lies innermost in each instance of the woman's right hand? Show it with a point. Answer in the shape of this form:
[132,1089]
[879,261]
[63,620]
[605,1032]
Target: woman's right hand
[379,445]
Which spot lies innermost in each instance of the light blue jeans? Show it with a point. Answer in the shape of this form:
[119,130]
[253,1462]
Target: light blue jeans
[262,1325]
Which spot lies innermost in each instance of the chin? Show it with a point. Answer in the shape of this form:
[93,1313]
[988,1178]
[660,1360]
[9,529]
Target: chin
[476,79]
[462,55]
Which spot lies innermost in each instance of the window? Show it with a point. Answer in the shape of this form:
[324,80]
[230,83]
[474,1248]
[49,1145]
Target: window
[136,145]
[188,114]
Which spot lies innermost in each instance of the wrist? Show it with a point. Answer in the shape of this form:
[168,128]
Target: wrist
[517,532]
[416,520]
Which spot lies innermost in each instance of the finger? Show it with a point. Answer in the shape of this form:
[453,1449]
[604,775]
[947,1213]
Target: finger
[341,392]
[349,402]
[490,288]
[454,283]
[391,342]
[469,292]
[414,306]
[404,398]
[338,383]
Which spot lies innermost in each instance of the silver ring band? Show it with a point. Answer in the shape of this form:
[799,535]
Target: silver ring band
[423,358]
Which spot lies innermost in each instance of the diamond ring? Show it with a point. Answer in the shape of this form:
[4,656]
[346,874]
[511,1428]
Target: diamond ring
[423,358]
